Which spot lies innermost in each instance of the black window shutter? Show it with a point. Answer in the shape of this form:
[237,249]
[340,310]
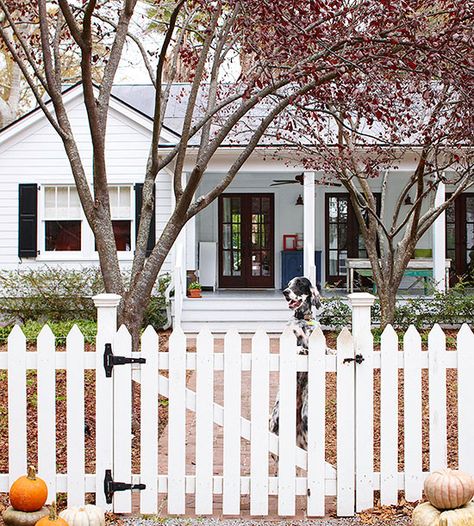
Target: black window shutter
[138,211]
[27,220]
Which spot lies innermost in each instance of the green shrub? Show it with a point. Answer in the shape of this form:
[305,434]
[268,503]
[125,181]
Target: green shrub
[60,329]
[451,309]
[49,294]
[63,295]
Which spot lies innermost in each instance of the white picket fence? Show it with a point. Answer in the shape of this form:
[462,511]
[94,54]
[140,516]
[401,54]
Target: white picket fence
[183,463]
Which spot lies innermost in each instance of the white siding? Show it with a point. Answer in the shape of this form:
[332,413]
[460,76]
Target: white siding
[36,155]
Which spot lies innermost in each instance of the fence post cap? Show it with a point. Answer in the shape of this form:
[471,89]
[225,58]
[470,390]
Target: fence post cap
[361,299]
[106,300]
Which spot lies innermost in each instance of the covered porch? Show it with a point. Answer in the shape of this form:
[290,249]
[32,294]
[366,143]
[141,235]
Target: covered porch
[312,212]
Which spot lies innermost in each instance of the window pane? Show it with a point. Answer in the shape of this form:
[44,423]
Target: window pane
[266,266]
[120,202]
[74,204]
[122,235]
[50,203]
[63,235]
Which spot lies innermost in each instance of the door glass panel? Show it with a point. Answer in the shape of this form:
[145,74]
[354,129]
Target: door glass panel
[332,209]
[342,209]
[236,238]
[342,263]
[226,237]
[266,264]
[342,238]
[227,214]
[470,241]
[469,209]
[333,262]
[226,257]
[237,264]
[450,237]
[333,236]
[256,264]
[236,210]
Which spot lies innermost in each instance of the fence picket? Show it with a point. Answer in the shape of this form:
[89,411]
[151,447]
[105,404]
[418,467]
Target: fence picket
[316,424]
[465,344]
[149,425]
[47,410]
[75,417]
[16,404]
[413,414]
[364,431]
[177,423]
[345,425]
[437,398]
[232,410]
[287,424]
[260,400]
[204,422]
[123,421]
[389,417]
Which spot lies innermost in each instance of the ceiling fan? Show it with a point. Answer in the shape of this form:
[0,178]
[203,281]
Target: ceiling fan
[280,182]
[299,178]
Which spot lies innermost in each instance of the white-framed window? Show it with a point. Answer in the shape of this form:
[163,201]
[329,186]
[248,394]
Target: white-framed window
[121,209]
[62,219]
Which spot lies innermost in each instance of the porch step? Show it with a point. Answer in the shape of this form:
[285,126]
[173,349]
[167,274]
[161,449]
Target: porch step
[246,313]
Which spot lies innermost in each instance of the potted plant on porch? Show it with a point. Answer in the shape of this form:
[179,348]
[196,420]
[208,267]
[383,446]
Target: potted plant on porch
[194,290]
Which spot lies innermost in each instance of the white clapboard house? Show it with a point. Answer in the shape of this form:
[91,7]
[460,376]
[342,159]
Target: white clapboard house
[244,247]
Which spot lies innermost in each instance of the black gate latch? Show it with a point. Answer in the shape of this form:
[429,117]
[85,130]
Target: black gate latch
[110,360]
[358,359]
[110,487]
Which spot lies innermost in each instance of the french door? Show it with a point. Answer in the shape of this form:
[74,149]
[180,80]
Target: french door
[343,238]
[460,237]
[246,240]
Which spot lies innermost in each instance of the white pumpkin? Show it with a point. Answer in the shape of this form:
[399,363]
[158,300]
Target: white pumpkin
[427,515]
[88,515]
[448,489]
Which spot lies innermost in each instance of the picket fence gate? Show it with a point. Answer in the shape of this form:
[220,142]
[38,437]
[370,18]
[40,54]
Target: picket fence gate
[165,487]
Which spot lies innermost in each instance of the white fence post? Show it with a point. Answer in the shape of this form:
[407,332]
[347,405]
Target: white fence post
[364,393]
[106,305]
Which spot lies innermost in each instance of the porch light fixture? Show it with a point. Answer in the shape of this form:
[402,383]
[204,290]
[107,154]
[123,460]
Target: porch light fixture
[299,201]
[408,201]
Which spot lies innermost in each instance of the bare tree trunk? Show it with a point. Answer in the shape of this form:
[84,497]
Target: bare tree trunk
[387,293]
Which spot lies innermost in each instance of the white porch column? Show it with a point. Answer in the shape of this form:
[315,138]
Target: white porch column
[191,260]
[309,228]
[439,243]
[179,263]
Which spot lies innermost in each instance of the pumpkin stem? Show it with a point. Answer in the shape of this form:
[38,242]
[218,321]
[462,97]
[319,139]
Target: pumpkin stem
[53,512]
[31,473]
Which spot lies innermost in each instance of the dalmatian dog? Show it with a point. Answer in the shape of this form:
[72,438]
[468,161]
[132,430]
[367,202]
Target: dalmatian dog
[301,297]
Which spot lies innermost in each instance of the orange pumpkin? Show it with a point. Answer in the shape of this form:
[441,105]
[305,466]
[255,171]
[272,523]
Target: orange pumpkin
[53,519]
[28,493]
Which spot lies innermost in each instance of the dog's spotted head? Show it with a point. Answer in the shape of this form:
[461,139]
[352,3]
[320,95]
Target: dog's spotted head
[301,296]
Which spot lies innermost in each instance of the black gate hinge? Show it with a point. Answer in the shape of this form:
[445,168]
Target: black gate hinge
[110,486]
[358,359]
[110,360]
